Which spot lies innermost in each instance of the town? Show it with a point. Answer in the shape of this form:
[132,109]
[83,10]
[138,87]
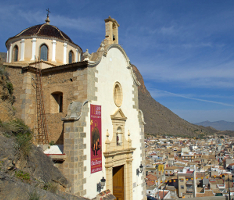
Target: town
[189,167]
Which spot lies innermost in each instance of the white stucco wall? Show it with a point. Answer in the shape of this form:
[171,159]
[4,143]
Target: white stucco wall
[113,68]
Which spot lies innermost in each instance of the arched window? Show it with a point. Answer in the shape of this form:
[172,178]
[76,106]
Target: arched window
[71,57]
[119,136]
[15,53]
[118,96]
[44,52]
[56,103]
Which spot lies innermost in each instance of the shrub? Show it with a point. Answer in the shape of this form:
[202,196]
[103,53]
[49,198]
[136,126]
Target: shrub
[24,143]
[24,176]
[21,133]
[52,187]
[34,195]
[10,87]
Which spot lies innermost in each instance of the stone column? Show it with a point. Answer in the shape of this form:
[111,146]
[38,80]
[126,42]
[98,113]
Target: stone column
[64,53]
[10,53]
[128,179]
[109,179]
[53,50]
[7,59]
[22,44]
[71,150]
[77,56]
[26,98]
[73,167]
[33,49]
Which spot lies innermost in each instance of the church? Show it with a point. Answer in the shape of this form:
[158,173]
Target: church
[82,107]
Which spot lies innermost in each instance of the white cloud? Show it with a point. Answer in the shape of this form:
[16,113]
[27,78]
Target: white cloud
[13,14]
[81,24]
[208,75]
[162,93]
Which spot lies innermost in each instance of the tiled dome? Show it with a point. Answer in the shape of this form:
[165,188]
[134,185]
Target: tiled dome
[46,30]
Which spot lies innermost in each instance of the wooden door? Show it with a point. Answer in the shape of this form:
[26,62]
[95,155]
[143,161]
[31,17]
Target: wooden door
[118,182]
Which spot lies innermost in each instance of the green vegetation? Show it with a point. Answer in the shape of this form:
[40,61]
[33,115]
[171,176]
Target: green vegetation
[51,143]
[3,72]
[34,195]
[1,165]
[52,187]
[10,87]
[7,87]
[20,133]
[24,176]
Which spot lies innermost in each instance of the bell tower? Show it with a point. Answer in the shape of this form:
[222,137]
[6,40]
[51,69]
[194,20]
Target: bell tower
[111,26]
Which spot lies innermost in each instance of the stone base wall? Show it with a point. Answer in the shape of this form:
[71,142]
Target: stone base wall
[70,82]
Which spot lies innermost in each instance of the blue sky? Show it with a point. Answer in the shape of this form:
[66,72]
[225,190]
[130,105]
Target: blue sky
[183,48]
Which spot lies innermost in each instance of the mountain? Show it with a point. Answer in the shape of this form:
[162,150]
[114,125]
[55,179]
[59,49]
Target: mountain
[162,121]
[3,56]
[219,125]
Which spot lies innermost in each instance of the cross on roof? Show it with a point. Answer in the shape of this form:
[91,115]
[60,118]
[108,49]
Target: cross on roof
[48,12]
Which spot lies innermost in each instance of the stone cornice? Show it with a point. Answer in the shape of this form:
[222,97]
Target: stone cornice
[118,152]
[27,68]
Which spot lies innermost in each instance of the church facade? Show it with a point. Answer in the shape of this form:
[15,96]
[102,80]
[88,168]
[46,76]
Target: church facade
[90,104]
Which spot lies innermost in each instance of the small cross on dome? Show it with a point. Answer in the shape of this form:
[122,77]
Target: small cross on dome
[48,12]
[47,19]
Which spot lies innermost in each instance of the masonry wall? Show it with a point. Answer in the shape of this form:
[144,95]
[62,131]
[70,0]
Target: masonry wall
[70,82]
[24,92]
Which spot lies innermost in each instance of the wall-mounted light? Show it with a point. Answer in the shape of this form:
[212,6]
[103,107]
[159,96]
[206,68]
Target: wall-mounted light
[140,170]
[101,184]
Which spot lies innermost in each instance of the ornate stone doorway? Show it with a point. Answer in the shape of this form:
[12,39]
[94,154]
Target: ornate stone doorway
[118,182]
[118,158]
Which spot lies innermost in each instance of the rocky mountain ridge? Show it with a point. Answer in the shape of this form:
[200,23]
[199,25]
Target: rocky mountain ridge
[162,121]
[221,125]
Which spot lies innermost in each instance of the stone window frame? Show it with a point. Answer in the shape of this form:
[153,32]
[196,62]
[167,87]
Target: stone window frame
[56,98]
[15,53]
[118,94]
[44,44]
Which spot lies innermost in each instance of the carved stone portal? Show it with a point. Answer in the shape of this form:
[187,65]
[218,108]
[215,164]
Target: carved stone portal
[119,152]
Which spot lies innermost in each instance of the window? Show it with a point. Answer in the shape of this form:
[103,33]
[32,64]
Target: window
[15,53]
[71,57]
[56,105]
[119,136]
[44,52]
[118,96]
[182,187]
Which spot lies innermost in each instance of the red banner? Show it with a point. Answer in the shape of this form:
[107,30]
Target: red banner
[95,138]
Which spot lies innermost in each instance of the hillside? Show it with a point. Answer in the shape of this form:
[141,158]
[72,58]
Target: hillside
[3,56]
[219,125]
[162,121]
[24,168]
